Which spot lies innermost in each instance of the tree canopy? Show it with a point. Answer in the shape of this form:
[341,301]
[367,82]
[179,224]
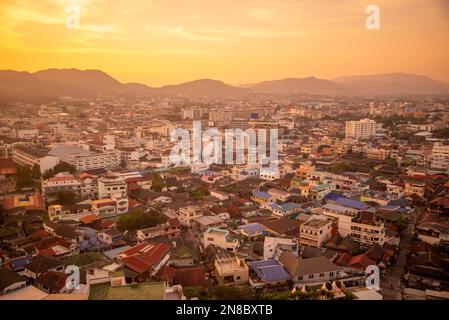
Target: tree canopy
[157,184]
[137,219]
[27,177]
[199,193]
[65,197]
[60,167]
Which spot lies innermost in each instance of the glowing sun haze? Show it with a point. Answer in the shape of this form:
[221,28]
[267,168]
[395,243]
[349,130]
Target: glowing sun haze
[170,41]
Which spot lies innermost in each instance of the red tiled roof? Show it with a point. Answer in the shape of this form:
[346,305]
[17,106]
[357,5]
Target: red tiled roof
[143,256]
[89,219]
[40,233]
[361,261]
[47,252]
[343,260]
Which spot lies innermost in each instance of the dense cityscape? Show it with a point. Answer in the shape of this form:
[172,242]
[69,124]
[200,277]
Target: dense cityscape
[224,159]
[361,182]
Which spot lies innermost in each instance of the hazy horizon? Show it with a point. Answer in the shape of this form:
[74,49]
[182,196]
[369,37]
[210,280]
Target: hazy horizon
[228,83]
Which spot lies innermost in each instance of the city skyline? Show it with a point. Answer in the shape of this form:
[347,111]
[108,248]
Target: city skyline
[144,42]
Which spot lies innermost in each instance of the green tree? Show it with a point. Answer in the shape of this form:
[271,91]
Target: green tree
[340,167]
[65,197]
[137,219]
[60,167]
[199,193]
[401,224]
[157,184]
[24,178]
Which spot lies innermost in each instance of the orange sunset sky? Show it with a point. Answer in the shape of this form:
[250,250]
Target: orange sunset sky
[159,42]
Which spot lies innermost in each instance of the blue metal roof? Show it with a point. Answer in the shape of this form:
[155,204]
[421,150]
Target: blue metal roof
[262,194]
[112,254]
[351,203]
[283,207]
[20,263]
[332,196]
[252,227]
[269,270]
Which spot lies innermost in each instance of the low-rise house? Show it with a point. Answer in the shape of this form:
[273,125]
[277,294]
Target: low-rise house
[56,247]
[144,260]
[262,197]
[10,281]
[67,232]
[109,207]
[359,262]
[274,246]
[188,214]
[284,227]
[319,192]
[220,238]
[110,236]
[315,231]
[42,264]
[309,271]
[279,195]
[428,270]
[433,232]
[282,210]
[53,282]
[252,230]
[269,275]
[230,269]
[63,181]
[205,222]
[170,229]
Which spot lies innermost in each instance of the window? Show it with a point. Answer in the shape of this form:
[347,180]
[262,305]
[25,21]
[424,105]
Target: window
[310,276]
[321,275]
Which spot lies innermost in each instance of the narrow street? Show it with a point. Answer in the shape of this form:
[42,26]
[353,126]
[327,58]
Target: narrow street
[391,285]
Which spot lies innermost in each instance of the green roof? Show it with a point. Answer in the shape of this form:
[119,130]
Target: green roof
[141,291]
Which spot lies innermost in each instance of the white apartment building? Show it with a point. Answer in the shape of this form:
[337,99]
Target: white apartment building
[110,207]
[110,186]
[61,182]
[27,156]
[440,156]
[91,161]
[362,129]
[188,214]
[269,173]
[274,246]
[315,231]
[350,224]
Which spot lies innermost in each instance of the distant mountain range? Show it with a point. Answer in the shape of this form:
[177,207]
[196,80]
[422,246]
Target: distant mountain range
[48,84]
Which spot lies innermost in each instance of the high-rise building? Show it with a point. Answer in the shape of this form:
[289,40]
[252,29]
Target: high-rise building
[362,129]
